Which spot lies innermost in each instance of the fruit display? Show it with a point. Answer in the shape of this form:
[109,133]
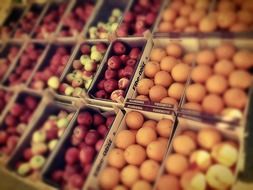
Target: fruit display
[80,149]
[7,56]
[52,67]
[83,69]
[5,97]
[7,29]
[74,22]
[165,74]
[15,122]
[25,65]
[191,16]
[139,18]
[41,142]
[117,72]
[221,76]
[138,151]
[126,95]
[101,30]
[28,21]
[50,20]
[199,160]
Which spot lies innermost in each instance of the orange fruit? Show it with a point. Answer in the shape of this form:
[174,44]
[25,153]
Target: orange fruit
[116,158]
[166,181]
[134,119]
[145,135]
[109,178]
[124,139]
[157,54]
[120,187]
[176,164]
[150,123]
[157,149]
[135,154]
[164,127]
[151,68]
[149,170]
[183,144]
[129,174]
[141,185]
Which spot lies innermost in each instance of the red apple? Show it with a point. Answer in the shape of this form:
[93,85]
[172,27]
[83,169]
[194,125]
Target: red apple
[72,155]
[87,154]
[114,62]
[91,138]
[98,119]
[119,48]
[110,85]
[85,118]
[110,74]
[101,94]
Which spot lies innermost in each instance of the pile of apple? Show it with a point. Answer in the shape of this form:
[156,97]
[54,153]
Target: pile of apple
[27,23]
[52,67]
[221,80]
[15,123]
[50,21]
[120,67]
[140,18]
[25,65]
[193,16]
[74,22]
[83,70]
[42,143]
[85,142]
[165,74]
[201,159]
[139,149]
[5,96]
[103,29]
[6,61]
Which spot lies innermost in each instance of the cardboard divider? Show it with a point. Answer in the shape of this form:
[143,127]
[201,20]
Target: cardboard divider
[48,108]
[10,94]
[145,45]
[103,10]
[50,6]
[188,44]
[102,160]
[186,124]
[56,160]
[231,116]
[42,45]
[45,63]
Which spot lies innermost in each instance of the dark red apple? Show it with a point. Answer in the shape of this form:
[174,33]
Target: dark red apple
[110,85]
[91,138]
[80,131]
[119,48]
[114,62]
[102,130]
[57,176]
[87,154]
[101,94]
[85,49]
[109,121]
[76,181]
[84,118]
[110,74]
[134,53]
[101,47]
[72,155]
[27,154]
[98,119]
